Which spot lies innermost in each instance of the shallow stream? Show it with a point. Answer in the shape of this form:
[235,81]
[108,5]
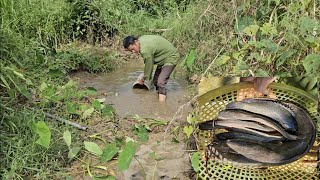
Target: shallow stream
[116,87]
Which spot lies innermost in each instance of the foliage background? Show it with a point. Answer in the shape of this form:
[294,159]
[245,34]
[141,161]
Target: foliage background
[41,41]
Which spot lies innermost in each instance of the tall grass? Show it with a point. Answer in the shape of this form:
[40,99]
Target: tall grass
[205,27]
[21,157]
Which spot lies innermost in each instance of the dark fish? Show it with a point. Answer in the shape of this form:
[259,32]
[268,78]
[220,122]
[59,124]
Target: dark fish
[255,151]
[268,108]
[280,153]
[245,136]
[245,127]
[243,124]
[222,152]
[246,116]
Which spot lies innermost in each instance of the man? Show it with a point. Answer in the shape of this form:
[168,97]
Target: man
[155,50]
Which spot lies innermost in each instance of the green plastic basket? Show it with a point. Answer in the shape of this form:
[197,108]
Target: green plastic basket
[217,167]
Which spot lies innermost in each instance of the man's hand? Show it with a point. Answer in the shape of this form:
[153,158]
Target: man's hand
[260,83]
[141,79]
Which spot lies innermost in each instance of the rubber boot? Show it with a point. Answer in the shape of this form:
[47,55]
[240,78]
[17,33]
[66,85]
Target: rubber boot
[162,97]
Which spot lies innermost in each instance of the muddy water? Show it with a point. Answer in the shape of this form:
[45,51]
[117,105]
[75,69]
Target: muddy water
[116,87]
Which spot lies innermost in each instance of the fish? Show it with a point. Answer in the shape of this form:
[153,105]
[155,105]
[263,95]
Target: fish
[222,152]
[244,127]
[243,124]
[243,116]
[245,136]
[246,116]
[268,108]
[280,153]
[255,151]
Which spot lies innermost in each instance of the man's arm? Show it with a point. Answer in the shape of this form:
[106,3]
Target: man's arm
[148,66]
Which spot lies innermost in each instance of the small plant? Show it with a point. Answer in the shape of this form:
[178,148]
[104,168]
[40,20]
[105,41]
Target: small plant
[72,151]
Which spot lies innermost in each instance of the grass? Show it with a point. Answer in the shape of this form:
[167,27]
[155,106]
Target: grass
[44,40]
[21,157]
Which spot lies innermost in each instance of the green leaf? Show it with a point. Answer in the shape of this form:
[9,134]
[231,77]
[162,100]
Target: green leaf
[55,73]
[268,29]
[25,92]
[285,56]
[90,91]
[312,64]
[87,113]
[125,157]
[72,108]
[195,161]
[67,138]
[310,39]
[238,56]
[70,84]
[43,86]
[154,156]
[174,140]
[19,75]
[262,73]
[29,82]
[191,119]
[242,65]
[44,133]
[277,2]
[73,152]
[269,45]
[242,23]
[251,30]
[96,104]
[144,137]
[93,148]
[189,60]
[4,81]
[221,60]
[283,74]
[308,25]
[108,111]
[109,152]
[142,132]
[188,130]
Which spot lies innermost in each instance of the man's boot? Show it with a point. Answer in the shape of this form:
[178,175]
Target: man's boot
[162,97]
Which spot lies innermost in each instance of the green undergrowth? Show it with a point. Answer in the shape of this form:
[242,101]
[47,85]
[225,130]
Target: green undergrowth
[266,38]
[21,156]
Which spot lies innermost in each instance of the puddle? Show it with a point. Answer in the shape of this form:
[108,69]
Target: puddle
[116,87]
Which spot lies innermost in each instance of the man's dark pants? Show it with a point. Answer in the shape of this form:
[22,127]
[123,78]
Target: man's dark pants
[161,77]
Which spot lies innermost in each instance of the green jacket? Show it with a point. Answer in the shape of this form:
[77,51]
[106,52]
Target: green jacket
[156,50]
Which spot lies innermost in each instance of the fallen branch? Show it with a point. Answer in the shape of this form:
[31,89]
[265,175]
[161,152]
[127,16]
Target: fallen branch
[66,121]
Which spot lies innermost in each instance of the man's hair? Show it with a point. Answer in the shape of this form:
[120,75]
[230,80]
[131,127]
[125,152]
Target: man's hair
[128,40]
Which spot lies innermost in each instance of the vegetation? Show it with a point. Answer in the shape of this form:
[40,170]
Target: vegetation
[43,41]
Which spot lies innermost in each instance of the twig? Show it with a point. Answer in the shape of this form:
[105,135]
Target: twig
[144,173]
[66,121]
[178,15]
[237,22]
[205,11]
[154,170]
[180,112]
[209,67]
